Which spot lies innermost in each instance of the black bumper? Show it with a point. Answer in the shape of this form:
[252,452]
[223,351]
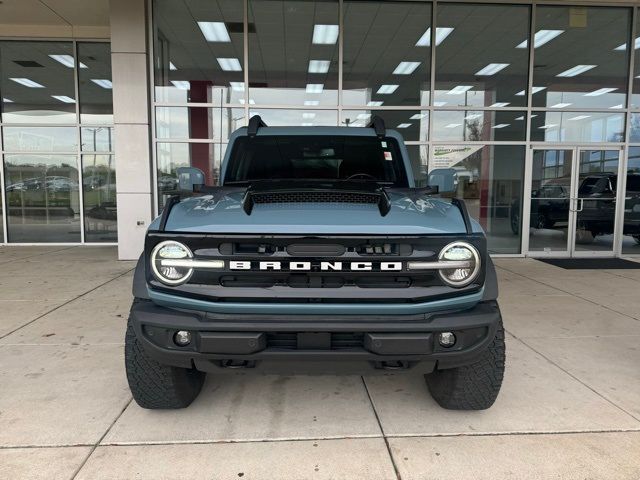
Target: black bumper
[308,344]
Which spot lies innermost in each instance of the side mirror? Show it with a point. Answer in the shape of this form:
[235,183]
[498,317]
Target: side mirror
[444,179]
[188,178]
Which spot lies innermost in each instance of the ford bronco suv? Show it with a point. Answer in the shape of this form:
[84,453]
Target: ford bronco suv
[315,254]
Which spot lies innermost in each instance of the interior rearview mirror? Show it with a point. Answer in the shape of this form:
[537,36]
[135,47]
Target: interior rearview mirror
[188,178]
[444,179]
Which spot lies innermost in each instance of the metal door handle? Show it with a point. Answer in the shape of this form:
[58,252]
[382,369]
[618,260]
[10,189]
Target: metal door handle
[581,200]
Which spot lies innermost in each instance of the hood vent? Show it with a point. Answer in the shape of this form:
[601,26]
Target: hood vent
[316,197]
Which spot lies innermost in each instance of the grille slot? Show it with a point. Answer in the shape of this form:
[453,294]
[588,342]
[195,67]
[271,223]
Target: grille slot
[339,341]
[316,197]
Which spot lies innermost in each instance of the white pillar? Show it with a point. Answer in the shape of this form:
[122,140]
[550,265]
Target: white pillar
[132,124]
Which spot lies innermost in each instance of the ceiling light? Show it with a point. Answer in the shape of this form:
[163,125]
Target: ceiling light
[441,34]
[7,100]
[307,124]
[560,105]
[453,125]
[501,125]
[181,84]
[325,34]
[312,102]
[27,82]
[374,104]
[577,70]
[315,87]
[439,104]
[404,125]
[499,104]
[64,98]
[549,125]
[473,116]
[600,91]
[636,45]
[363,116]
[540,38]
[617,106]
[387,89]
[214,31]
[533,116]
[237,86]
[459,89]
[418,116]
[534,90]
[319,66]
[492,69]
[308,115]
[172,66]
[521,117]
[406,68]
[103,82]
[229,64]
[251,101]
[67,61]
[579,117]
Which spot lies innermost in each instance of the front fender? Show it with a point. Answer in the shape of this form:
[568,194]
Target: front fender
[140,280]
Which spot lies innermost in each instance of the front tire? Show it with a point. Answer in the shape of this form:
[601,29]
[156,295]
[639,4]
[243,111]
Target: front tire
[154,385]
[471,387]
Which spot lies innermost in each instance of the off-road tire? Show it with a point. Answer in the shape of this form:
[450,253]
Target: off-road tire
[154,385]
[471,387]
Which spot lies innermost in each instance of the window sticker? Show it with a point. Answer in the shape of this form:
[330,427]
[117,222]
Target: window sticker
[384,144]
[388,156]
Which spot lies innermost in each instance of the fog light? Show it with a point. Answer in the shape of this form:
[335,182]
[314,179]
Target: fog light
[447,339]
[182,338]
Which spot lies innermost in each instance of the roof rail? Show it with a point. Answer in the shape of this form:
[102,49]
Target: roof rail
[377,124]
[255,123]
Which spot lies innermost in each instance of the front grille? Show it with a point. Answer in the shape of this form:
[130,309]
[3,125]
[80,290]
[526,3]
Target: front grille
[316,197]
[339,341]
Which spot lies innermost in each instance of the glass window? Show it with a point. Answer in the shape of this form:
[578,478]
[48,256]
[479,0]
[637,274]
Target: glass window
[99,193]
[37,82]
[297,118]
[97,139]
[460,125]
[577,127]
[477,59]
[171,156]
[198,122]
[413,125]
[631,229]
[317,157]
[419,156]
[387,53]
[490,180]
[293,52]
[581,57]
[198,51]
[40,139]
[94,83]
[43,202]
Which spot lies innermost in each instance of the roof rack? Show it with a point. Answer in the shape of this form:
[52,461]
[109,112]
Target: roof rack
[255,123]
[377,124]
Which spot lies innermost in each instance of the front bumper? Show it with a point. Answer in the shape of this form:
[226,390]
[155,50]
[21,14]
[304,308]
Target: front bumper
[314,343]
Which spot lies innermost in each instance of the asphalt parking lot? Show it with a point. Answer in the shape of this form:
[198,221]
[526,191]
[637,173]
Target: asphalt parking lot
[569,408]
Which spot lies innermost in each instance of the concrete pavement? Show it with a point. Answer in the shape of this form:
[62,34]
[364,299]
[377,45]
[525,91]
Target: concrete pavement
[569,408]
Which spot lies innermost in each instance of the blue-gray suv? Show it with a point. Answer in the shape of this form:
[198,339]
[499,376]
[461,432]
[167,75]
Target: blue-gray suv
[316,253]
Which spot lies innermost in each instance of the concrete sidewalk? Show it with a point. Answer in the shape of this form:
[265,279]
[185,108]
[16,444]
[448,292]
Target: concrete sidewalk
[569,408]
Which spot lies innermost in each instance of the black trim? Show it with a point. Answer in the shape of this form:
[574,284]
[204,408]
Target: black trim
[463,211]
[377,124]
[167,210]
[255,123]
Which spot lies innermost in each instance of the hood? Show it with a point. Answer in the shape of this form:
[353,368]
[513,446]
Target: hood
[223,212]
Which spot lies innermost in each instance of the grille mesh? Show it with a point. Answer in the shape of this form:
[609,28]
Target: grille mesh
[315,197]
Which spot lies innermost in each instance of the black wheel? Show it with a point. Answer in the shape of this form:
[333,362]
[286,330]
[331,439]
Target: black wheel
[155,385]
[471,387]
[541,221]
[637,239]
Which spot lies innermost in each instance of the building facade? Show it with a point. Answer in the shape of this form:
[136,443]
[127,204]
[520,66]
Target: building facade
[535,106]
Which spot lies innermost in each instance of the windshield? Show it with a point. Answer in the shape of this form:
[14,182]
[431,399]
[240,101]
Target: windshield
[316,157]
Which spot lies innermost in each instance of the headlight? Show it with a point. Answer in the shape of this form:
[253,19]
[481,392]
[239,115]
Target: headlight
[164,255]
[460,252]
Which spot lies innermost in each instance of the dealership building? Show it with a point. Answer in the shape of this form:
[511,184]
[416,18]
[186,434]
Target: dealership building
[534,106]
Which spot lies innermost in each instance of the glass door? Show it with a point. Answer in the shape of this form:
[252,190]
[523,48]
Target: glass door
[573,201]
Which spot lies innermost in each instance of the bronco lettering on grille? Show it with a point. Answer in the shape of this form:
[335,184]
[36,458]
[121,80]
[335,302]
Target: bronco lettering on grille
[306,266]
